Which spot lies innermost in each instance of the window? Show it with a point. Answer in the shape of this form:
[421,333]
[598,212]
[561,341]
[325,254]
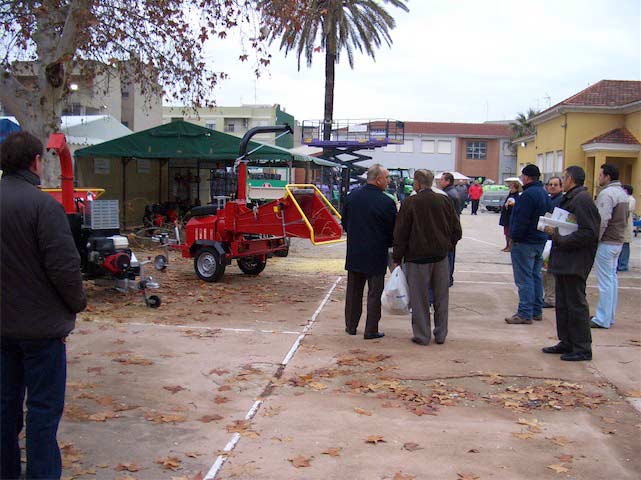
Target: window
[245,123]
[390,148]
[125,94]
[549,162]
[444,146]
[539,161]
[211,125]
[230,127]
[507,149]
[176,119]
[476,150]
[125,123]
[407,146]
[559,162]
[427,146]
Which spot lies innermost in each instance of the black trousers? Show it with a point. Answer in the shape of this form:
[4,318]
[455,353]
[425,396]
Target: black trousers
[354,300]
[573,313]
[475,206]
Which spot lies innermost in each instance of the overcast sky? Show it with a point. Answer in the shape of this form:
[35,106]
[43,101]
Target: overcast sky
[456,61]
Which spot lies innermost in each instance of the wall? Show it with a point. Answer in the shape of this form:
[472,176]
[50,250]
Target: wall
[582,127]
[478,168]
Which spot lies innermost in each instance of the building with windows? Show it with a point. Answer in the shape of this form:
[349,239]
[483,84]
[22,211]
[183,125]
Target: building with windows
[98,89]
[473,149]
[236,120]
[601,124]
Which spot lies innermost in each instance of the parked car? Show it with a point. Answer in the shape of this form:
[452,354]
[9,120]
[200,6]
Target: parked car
[493,197]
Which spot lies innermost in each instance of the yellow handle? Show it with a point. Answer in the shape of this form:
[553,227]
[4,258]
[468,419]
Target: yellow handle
[288,188]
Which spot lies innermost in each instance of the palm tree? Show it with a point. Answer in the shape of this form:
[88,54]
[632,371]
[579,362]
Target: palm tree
[522,125]
[340,25]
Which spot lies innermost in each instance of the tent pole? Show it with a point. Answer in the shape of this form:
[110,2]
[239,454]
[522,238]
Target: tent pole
[125,161]
[198,180]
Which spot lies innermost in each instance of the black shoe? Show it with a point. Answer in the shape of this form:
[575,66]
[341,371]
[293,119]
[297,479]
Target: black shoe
[547,305]
[440,342]
[350,332]
[577,357]
[558,348]
[373,336]
[419,342]
[593,324]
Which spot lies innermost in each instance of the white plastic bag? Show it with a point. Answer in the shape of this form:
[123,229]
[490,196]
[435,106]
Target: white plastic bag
[546,253]
[396,296]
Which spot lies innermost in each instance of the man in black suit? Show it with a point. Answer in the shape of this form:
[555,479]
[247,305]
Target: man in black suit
[368,219]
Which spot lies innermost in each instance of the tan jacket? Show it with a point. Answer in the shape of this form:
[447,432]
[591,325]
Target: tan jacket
[629,229]
[612,203]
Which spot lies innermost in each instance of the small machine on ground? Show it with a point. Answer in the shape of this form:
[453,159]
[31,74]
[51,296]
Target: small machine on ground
[249,233]
[105,254]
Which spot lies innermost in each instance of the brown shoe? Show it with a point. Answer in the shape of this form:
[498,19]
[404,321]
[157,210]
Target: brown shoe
[516,320]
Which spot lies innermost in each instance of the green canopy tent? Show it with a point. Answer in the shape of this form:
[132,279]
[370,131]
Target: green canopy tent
[185,142]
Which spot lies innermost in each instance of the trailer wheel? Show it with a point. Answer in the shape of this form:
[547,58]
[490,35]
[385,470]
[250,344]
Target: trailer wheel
[282,253]
[251,265]
[153,301]
[208,265]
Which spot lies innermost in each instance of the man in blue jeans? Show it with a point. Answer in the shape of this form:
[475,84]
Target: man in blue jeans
[41,294]
[527,246]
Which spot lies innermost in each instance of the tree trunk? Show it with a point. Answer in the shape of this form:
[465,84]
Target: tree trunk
[330,65]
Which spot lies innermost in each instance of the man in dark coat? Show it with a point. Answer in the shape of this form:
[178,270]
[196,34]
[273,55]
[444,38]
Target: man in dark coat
[446,182]
[554,187]
[527,246]
[368,219]
[41,294]
[428,227]
[571,260]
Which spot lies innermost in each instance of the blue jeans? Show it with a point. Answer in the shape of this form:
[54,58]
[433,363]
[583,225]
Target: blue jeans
[527,261]
[624,258]
[605,264]
[38,367]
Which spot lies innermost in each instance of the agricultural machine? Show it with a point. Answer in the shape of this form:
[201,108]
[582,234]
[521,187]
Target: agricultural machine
[250,233]
[105,254]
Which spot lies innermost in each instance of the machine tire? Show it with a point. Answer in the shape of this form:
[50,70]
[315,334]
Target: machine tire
[208,265]
[153,301]
[282,253]
[251,265]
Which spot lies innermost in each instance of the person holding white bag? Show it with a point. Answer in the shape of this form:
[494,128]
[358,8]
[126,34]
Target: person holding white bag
[427,228]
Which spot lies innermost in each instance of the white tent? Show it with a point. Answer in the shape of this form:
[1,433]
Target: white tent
[82,130]
[456,175]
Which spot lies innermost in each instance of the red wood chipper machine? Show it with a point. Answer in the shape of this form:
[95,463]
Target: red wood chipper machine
[250,233]
[95,225]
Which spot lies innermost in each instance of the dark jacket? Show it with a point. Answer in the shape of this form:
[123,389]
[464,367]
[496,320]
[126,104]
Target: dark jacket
[368,220]
[533,203]
[427,228]
[555,201]
[574,254]
[41,280]
[506,210]
[456,201]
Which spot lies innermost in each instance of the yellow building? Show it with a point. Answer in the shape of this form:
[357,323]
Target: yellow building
[601,124]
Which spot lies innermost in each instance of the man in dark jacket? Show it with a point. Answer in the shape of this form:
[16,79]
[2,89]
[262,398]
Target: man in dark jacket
[41,294]
[427,228]
[571,260]
[527,246]
[368,219]
[446,183]
[554,187]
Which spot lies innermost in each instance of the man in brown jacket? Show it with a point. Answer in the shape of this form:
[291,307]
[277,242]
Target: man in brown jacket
[427,228]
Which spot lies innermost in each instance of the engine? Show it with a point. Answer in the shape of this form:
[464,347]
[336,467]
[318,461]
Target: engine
[111,256]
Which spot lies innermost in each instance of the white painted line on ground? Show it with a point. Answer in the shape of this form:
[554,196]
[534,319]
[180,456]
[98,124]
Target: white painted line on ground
[512,284]
[220,461]
[483,241]
[509,272]
[196,327]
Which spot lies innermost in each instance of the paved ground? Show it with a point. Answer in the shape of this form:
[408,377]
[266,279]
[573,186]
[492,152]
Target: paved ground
[211,383]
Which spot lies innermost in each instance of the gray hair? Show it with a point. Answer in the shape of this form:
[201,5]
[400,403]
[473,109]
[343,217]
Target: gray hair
[374,171]
[425,178]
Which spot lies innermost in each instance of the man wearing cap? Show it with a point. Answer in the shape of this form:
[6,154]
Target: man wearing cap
[527,246]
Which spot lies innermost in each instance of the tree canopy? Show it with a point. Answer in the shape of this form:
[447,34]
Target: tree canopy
[148,42]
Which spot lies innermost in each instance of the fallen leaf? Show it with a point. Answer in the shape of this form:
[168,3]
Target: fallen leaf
[558,468]
[317,386]
[332,451]
[472,450]
[169,463]
[403,476]
[103,416]
[158,417]
[467,476]
[634,394]
[174,389]
[300,461]
[133,360]
[494,379]
[360,411]
[412,447]
[128,467]
[560,441]
[221,399]
[565,458]
[375,439]
[523,436]
[210,418]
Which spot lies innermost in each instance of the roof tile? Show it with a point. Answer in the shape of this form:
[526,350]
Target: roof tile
[618,135]
[459,129]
